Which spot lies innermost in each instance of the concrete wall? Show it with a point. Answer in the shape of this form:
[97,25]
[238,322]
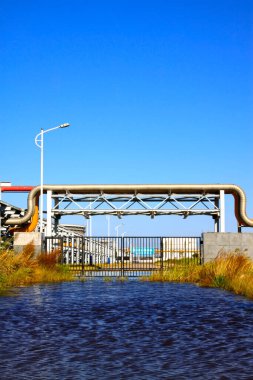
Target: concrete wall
[214,242]
[21,239]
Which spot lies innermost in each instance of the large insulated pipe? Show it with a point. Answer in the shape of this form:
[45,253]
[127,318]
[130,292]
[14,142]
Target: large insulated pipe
[29,227]
[34,221]
[236,191]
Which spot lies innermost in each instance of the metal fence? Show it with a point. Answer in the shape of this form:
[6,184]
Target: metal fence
[124,256]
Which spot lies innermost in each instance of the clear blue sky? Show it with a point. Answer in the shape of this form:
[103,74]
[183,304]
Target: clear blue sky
[155,91]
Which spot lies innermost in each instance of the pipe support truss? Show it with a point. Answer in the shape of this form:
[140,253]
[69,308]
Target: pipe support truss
[152,205]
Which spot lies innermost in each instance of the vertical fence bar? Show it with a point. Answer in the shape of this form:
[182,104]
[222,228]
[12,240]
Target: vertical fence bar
[122,256]
[187,250]
[200,244]
[161,253]
[82,257]
[61,245]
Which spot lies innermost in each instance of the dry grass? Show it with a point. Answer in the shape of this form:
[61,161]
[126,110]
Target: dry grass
[231,271]
[25,268]
[177,273]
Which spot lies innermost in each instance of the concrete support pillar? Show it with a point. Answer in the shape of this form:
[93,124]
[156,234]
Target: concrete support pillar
[49,213]
[222,211]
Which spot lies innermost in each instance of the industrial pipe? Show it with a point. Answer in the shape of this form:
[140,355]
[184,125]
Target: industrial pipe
[29,227]
[16,189]
[236,191]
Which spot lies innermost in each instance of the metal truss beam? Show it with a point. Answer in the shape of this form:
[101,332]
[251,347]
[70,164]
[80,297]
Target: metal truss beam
[138,204]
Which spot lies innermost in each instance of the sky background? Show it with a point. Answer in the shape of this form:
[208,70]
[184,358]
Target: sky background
[155,92]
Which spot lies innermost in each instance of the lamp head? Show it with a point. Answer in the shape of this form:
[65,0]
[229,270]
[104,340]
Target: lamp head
[64,125]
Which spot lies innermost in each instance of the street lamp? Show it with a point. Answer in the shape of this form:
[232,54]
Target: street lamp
[39,141]
[108,225]
[117,228]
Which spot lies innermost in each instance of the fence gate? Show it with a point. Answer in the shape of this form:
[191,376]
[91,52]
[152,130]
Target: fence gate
[124,256]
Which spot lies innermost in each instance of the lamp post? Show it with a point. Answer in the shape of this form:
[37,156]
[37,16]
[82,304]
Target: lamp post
[2,184]
[39,141]
[117,228]
[108,225]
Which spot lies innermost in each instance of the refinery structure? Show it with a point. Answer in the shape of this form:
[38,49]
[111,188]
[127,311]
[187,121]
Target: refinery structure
[186,200]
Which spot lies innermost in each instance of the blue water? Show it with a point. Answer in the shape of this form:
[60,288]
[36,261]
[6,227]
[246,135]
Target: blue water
[132,330]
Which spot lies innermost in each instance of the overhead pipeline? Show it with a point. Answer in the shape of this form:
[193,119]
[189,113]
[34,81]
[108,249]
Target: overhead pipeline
[16,189]
[28,227]
[236,191]
[32,224]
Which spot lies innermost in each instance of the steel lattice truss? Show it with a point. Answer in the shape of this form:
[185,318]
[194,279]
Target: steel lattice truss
[136,204]
[8,211]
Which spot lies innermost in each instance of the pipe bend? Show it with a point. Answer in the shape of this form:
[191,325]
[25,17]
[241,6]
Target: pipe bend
[236,191]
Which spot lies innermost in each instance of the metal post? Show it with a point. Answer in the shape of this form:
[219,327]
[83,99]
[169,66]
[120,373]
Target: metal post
[216,224]
[82,245]
[108,235]
[108,225]
[41,178]
[2,184]
[39,141]
[49,213]
[216,217]
[0,212]
[117,228]
[122,256]
[90,223]
[222,211]
[90,227]
[62,253]
[56,217]
[161,253]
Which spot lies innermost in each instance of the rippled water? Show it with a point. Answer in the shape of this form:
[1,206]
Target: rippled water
[132,330]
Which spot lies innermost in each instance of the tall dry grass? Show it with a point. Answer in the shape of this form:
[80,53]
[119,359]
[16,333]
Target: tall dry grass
[231,271]
[27,268]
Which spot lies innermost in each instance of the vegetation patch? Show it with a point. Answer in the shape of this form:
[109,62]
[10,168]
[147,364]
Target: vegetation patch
[231,271]
[26,268]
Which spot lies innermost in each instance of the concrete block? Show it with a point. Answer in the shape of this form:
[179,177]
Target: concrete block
[222,248]
[210,238]
[214,242]
[222,238]
[210,252]
[235,239]
[21,239]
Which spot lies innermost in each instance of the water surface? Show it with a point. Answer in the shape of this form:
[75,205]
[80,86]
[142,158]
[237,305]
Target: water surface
[132,330]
